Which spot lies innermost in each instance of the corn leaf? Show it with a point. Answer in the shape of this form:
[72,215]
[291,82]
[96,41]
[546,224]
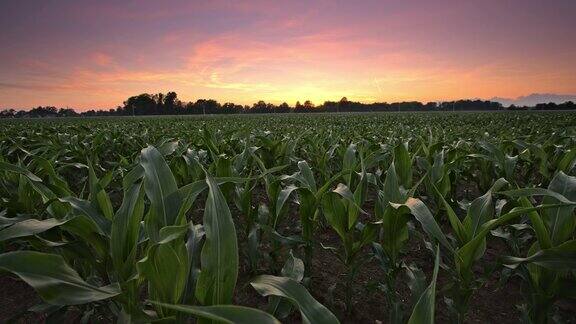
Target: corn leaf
[219,257]
[29,227]
[230,314]
[423,312]
[561,257]
[310,309]
[53,279]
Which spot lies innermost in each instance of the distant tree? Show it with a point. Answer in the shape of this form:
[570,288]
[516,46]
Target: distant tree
[170,102]
[283,108]
[212,106]
[8,113]
[143,104]
[200,106]
[342,104]
[67,112]
[147,104]
[259,107]
[230,108]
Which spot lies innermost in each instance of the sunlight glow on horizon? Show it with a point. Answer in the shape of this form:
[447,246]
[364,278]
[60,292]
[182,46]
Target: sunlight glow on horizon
[95,54]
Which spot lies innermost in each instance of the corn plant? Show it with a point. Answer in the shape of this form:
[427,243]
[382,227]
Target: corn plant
[341,208]
[397,187]
[132,259]
[547,266]
[470,237]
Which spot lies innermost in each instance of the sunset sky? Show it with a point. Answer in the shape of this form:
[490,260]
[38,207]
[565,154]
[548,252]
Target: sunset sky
[95,54]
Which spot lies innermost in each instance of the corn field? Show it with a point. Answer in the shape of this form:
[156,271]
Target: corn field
[372,218]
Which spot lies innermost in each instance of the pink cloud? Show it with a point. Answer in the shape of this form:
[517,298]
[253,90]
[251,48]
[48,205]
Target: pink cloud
[102,59]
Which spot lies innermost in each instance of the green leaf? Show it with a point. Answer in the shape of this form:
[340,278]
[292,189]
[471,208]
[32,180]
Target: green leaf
[53,279]
[282,198]
[481,210]
[423,312]
[526,192]
[537,224]
[126,230]
[349,162]
[335,213]
[307,175]
[416,279]
[419,210]
[20,170]
[310,309]
[219,257]
[351,201]
[437,169]
[86,209]
[403,164]
[391,190]
[468,253]
[568,161]
[293,268]
[455,222]
[230,314]
[98,195]
[561,257]
[193,247]
[161,189]
[560,221]
[29,227]
[166,267]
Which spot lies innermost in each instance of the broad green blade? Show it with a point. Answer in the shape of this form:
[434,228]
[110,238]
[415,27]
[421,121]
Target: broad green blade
[455,222]
[293,268]
[98,196]
[219,257]
[311,310]
[29,227]
[537,224]
[283,197]
[307,175]
[86,209]
[481,210]
[17,169]
[526,192]
[403,165]
[53,279]
[423,312]
[166,267]
[160,187]
[561,221]
[126,230]
[561,257]
[466,254]
[230,314]
[423,215]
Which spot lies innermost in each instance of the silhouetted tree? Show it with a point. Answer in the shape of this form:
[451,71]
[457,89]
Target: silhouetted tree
[147,104]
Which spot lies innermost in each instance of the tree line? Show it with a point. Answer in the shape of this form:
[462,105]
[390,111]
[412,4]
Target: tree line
[169,104]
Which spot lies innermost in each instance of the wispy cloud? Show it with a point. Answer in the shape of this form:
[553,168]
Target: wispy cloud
[99,53]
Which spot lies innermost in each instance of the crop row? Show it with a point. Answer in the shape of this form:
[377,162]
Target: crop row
[102,215]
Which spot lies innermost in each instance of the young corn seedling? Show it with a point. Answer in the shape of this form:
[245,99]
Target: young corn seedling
[157,254]
[470,237]
[394,229]
[341,208]
[309,201]
[548,264]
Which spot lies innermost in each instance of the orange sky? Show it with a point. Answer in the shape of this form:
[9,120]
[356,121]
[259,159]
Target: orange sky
[95,54]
